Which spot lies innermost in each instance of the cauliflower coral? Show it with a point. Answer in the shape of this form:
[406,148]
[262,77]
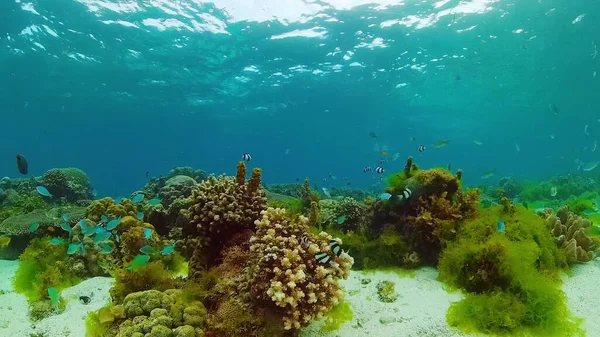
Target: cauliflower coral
[284,271]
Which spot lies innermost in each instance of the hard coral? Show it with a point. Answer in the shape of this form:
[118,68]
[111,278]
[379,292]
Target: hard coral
[569,232]
[285,275]
[355,214]
[72,184]
[221,208]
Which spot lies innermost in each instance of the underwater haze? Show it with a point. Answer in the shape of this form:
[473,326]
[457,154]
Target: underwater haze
[308,88]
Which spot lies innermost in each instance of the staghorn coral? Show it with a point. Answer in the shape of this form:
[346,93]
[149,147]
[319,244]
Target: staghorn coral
[222,207]
[569,232]
[285,275]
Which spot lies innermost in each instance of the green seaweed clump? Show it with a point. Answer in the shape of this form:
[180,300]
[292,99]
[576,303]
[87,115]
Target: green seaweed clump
[339,315]
[578,206]
[386,290]
[44,265]
[511,278]
[151,276]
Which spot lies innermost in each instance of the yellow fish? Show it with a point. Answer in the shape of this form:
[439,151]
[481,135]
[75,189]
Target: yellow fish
[4,241]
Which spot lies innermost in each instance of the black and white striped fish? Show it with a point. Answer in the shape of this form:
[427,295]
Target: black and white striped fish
[323,258]
[379,169]
[305,241]
[367,168]
[405,194]
[421,148]
[247,157]
[335,247]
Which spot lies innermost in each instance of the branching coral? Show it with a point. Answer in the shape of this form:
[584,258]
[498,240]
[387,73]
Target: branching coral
[569,232]
[221,208]
[285,274]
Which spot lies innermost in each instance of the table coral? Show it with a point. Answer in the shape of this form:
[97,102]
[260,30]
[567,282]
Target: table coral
[222,207]
[285,275]
[569,232]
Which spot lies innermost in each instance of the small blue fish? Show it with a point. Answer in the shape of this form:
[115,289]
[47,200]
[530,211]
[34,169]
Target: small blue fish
[140,215]
[56,241]
[33,227]
[168,250]
[500,226]
[138,198]
[341,219]
[43,191]
[139,260]
[153,202]
[384,196]
[99,230]
[117,238]
[147,233]
[147,250]
[112,224]
[104,218]
[65,217]
[106,248]
[86,229]
[65,227]
[54,297]
[73,248]
[100,237]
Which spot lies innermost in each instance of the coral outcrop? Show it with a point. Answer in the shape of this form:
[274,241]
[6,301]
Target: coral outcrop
[569,232]
[69,183]
[284,273]
[222,207]
[346,214]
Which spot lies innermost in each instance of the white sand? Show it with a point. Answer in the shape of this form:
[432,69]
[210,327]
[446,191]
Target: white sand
[14,319]
[419,311]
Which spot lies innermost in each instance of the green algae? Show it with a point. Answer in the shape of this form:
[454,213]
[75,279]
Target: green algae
[339,315]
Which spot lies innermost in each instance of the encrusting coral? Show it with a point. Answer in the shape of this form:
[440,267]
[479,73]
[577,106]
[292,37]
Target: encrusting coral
[284,273]
[569,232]
[222,207]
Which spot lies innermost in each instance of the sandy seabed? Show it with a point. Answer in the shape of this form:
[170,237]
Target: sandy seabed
[419,310]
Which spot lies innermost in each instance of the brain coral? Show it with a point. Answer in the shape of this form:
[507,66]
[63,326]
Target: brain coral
[284,274]
[221,208]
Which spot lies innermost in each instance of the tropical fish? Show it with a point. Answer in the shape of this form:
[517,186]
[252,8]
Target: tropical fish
[147,233]
[106,248]
[421,148]
[367,168]
[103,218]
[441,143]
[56,241]
[118,200]
[373,135]
[332,176]
[553,191]
[326,192]
[138,198]
[66,227]
[594,146]
[112,224]
[379,169]
[148,250]
[247,157]
[43,191]
[553,108]
[140,215]
[405,194]
[100,237]
[384,196]
[335,247]
[87,230]
[323,258]
[517,147]
[4,241]
[154,201]
[168,249]
[477,142]
[341,219]
[22,165]
[552,136]
[73,248]
[412,139]
[396,156]
[85,300]
[33,227]
[54,298]
[383,153]
[139,260]
[500,226]
[585,130]
[65,217]
[488,174]
[590,166]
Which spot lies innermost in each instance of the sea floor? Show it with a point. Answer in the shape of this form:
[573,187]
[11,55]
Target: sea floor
[418,311]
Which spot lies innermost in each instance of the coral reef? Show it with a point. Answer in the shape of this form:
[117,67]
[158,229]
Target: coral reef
[70,184]
[197,175]
[346,214]
[223,206]
[569,232]
[286,276]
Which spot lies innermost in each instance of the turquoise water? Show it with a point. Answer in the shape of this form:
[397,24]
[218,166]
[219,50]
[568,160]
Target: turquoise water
[119,88]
